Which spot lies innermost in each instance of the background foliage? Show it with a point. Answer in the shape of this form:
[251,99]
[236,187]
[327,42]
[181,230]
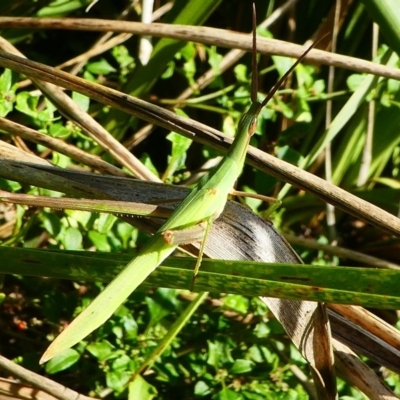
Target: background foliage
[232,348]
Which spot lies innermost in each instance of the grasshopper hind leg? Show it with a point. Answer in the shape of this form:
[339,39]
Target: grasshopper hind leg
[196,233]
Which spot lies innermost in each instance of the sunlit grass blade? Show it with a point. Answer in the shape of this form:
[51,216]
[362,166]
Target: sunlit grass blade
[347,285]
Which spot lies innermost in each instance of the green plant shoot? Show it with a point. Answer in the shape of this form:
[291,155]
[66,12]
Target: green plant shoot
[190,221]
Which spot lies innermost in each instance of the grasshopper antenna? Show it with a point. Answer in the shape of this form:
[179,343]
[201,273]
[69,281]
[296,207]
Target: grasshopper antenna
[254,70]
[287,73]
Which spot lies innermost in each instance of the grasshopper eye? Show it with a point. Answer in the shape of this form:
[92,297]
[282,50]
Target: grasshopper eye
[252,126]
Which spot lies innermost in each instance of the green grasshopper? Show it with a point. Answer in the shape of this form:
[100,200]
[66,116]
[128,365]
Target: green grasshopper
[191,221]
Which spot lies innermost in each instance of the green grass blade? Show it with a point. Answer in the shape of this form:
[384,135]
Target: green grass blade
[386,13]
[173,331]
[346,285]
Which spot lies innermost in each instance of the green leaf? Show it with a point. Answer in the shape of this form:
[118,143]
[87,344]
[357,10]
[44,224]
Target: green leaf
[105,222]
[27,104]
[63,361]
[72,238]
[354,81]
[126,233]
[130,326]
[81,100]
[169,70]
[101,350]
[240,72]
[157,310]
[101,67]
[46,115]
[117,380]
[51,223]
[237,303]
[99,240]
[58,130]
[10,186]
[241,366]
[146,160]
[214,59]
[140,389]
[176,162]
[282,64]
[7,95]
[5,81]
[201,389]
[121,363]
[219,353]
[227,394]
[124,59]
[60,7]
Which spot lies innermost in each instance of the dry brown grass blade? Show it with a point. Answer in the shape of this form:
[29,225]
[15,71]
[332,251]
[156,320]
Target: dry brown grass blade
[351,369]
[363,259]
[13,389]
[199,34]
[370,322]
[13,153]
[58,145]
[366,334]
[40,382]
[308,327]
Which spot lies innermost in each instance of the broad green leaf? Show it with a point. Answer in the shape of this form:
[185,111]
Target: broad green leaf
[236,303]
[7,94]
[72,238]
[140,389]
[61,7]
[99,240]
[59,131]
[227,394]
[201,389]
[101,67]
[157,310]
[63,361]
[82,100]
[101,350]
[117,380]
[242,367]
[176,161]
[27,104]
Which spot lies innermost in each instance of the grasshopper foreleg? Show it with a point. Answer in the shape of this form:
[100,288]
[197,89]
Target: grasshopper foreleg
[276,202]
[178,237]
